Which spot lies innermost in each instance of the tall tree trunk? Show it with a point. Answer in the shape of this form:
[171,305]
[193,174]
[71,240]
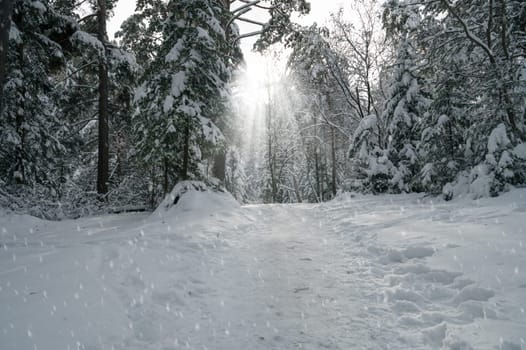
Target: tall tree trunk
[219,167]
[20,119]
[296,188]
[333,145]
[165,176]
[152,189]
[186,154]
[20,177]
[271,158]
[318,175]
[6,7]
[103,159]
[333,159]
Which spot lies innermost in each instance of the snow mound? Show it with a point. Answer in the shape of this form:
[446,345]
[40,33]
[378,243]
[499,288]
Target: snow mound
[194,197]
[16,226]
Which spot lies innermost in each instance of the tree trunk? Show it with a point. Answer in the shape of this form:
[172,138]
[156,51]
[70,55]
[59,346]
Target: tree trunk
[271,163]
[20,177]
[219,168]
[165,175]
[103,159]
[333,156]
[20,119]
[317,170]
[296,188]
[152,190]
[6,7]
[186,154]
[271,158]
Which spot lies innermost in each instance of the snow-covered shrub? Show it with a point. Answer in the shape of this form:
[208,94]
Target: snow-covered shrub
[502,166]
[374,168]
[197,197]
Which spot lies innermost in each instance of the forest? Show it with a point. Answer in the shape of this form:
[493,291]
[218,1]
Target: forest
[400,96]
[264,175]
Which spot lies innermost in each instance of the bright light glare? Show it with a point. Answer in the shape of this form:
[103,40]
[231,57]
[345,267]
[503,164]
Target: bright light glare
[251,91]
[260,73]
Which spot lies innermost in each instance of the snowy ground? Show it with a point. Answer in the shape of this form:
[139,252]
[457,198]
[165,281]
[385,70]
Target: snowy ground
[386,272]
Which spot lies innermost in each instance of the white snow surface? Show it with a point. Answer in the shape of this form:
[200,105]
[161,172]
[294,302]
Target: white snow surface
[360,272]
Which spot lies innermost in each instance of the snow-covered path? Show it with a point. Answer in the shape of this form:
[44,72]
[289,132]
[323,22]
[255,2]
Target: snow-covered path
[390,272]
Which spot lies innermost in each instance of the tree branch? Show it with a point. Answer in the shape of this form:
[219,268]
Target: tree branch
[259,6]
[87,17]
[247,35]
[490,23]
[469,33]
[248,20]
[248,5]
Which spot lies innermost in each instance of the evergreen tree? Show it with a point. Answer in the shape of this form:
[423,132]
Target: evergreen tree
[6,8]
[81,103]
[141,33]
[182,90]
[475,47]
[32,134]
[443,136]
[387,145]
[373,167]
[406,105]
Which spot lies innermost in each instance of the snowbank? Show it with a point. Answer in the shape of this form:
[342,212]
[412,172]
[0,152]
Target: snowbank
[193,200]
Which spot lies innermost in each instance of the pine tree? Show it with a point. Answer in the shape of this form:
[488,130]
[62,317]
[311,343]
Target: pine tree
[32,135]
[81,101]
[481,52]
[141,33]
[373,168]
[182,90]
[406,106]
[387,145]
[6,9]
[443,136]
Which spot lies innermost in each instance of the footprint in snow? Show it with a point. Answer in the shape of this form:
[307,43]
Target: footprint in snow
[434,336]
[400,256]
[473,293]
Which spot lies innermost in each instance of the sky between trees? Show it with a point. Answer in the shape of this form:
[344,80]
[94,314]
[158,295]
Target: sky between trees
[320,12]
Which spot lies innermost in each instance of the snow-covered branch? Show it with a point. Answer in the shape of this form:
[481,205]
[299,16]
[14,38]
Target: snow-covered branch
[471,36]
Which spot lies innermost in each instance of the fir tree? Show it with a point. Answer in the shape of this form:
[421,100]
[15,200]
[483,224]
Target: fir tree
[406,106]
[182,91]
[32,134]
